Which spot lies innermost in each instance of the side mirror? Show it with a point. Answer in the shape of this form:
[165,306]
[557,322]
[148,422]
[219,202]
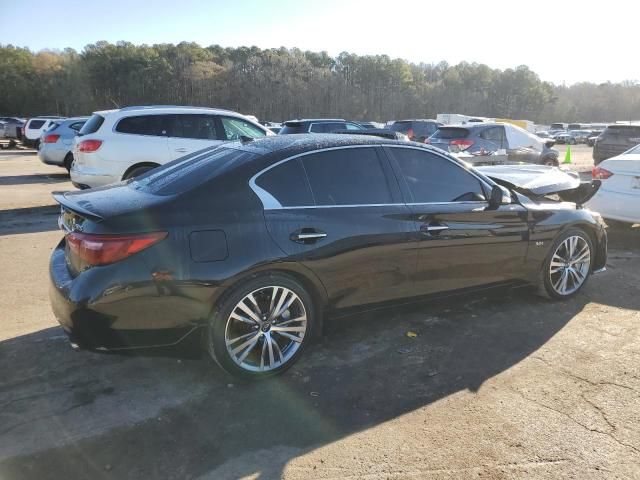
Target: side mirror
[499,196]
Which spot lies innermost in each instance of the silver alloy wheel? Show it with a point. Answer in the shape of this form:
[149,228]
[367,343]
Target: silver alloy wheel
[265,329]
[570,265]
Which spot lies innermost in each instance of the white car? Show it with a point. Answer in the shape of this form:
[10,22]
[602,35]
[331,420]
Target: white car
[115,145]
[35,127]
[619,196]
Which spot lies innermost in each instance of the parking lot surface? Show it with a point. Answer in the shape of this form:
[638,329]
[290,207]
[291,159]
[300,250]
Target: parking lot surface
[506,385]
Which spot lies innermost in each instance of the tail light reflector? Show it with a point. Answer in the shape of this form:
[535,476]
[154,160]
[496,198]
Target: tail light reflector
[88,146]
[600,173]
[95,250]
[460,144]
[51,138]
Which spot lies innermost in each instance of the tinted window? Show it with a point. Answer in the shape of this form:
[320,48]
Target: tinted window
[35,124]
[287,183]
[352,176]
[448,133]
[353,126]
[495,134]
[201,127]
[327,127]
[76,126]
[235,128]
[293,127]
[431,178]
[92,125]
[155,125]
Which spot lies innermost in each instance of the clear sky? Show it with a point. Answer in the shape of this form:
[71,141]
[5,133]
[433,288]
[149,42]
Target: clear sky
[562,40]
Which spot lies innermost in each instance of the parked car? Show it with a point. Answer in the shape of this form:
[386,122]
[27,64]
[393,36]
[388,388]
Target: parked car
[573,137]
[376,132]
[56,144]
[275,130]
[615,139]
[543,134]
[13,127]
[252,243]
[318,125]
[3,129]
[372,125]
[120,144]
[488,138]
[591,141]
[619,196]
[34,128]
[418,130]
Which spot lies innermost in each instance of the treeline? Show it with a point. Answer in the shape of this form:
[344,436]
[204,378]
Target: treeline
[280,84]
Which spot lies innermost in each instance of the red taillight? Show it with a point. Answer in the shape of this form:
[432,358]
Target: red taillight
[88,146]
[460,144]
[104,249]
[51,138]
[600,173]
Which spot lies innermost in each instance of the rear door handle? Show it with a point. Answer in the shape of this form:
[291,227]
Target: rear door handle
[307,235]
[430,228]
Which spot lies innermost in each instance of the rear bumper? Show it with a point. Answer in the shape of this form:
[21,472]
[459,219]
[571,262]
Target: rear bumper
[83,177]
[93,323]
[616,206]
[51,156]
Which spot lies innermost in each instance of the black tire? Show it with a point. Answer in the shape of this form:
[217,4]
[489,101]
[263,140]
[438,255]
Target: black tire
[68,161]
[216,339]
[36,144]
[550,161]
[546,287]
[136,172]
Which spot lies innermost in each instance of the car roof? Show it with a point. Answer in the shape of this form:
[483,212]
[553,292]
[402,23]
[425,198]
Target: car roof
[317,120]
[168,109]
[304,142]
[417,120]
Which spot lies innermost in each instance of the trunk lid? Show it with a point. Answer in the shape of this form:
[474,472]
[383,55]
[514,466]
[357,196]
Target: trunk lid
[626,174]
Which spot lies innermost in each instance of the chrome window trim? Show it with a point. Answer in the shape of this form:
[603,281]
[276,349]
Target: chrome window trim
[269,202]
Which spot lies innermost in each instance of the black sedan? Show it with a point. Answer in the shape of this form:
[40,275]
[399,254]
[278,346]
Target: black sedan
[252,243]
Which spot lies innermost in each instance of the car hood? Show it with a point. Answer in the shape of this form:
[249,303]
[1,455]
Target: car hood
[541,180]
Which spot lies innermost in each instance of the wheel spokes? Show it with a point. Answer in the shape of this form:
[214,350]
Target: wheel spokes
[569,265]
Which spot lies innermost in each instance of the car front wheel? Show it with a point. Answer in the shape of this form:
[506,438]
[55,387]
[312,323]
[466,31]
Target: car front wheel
[262,327]
[568,265]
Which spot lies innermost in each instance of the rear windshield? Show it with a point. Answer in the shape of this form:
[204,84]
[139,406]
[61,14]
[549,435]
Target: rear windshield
[35,124]
[293,128]
[191,171]
[402,127]
[92,125]
[448,133]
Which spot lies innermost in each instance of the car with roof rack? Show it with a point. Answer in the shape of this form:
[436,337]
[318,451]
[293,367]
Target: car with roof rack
[115,145]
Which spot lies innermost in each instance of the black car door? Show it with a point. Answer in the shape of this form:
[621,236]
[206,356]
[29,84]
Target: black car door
[339,212]
[462,242]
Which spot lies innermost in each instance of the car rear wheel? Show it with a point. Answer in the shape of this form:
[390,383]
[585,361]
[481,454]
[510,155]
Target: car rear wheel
[136,172]
[568,265]
[68,161]
[262,327]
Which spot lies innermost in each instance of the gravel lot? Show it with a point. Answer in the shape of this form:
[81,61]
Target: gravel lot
[500,386]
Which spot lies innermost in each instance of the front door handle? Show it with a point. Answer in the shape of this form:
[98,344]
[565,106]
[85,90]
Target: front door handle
[307,235]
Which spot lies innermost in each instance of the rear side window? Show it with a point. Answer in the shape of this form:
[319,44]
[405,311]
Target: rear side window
[448,133]
[199,127]
[35,124]
[154,125]
[287,183]
[293,127]
[351,176]
[76,126]
[433,179]
[234,128]
[92,125]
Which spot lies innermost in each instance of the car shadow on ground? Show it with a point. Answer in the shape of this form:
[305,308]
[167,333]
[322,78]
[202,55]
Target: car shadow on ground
[29,220]
[34,179]
[81,415]
[172,415]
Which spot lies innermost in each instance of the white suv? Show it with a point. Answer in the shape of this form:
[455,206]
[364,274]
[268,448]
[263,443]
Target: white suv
[116,145]
[35,127]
